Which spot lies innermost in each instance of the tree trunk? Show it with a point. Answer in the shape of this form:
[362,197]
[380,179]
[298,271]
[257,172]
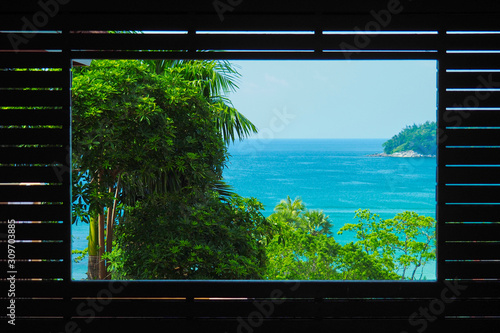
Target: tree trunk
[93,272]
[109,235]
[110,224]
[102,245]
[93,269]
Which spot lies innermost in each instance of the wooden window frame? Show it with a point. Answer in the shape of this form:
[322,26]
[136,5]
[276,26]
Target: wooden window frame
[380,306]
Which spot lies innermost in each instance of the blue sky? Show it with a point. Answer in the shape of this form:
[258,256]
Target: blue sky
[335,99]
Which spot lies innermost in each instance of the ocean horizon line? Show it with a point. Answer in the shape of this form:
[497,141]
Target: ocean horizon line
[276,139]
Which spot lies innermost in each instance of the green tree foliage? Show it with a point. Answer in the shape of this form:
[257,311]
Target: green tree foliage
[215,79]
[173,237]
[316,222]
[402,245]
[419,138]
[294,212]
[355,263]
[136,132]
[385,249]
[130,122]
[295,254]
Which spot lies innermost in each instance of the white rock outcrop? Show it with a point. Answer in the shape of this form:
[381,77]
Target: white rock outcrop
[406,153]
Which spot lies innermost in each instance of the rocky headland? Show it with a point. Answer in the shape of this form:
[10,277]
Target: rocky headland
[406,153]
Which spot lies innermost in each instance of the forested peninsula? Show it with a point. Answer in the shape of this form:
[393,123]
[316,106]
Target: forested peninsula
[413,141]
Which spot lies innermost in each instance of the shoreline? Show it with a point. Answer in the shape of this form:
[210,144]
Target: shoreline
[404,154]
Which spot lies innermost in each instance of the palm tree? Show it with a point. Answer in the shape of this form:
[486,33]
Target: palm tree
[316,223]
[290,211]
[294,209]
[215,79]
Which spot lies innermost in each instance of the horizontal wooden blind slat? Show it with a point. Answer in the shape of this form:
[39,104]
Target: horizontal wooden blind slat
[104,325]
[469,213]
[471,232]
[237,21]
[249,42]
[32,60]
[336,309]
[36,41]
[32,79]
[472,270]
[262,289]
[473,42]
[33,136]
[473,307]
[337,290]
[39,231]
[36,212]
[469,22]
[240,308]
[45,250]
[471,137]
[14,155]
[471,61]
[264,55]
[53,173]
[470,175]
[470,156]
[472,99]
[37,269]
[43,324]
[40,307]
[32,98]
[471,80]
[36,288]
[33,117]
[466,118]
[327,21]
[242,21]
[258,7]
[471,194]
[185,42]
[471,251]
[36,193]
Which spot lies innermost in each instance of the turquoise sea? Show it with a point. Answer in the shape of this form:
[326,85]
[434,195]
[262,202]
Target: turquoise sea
[333,175]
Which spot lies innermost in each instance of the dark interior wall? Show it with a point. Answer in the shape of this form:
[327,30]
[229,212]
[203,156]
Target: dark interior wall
[466,296]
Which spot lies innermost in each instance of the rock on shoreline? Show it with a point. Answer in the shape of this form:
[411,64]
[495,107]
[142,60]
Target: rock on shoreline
[406,153]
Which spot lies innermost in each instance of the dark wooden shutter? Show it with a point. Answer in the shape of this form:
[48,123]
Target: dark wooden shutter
[468,161]
[34,179]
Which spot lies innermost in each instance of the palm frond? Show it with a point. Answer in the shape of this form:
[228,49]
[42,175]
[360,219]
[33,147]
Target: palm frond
[232,124]
[224,190]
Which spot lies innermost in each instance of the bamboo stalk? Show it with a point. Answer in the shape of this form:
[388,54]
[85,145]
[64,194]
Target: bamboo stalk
[102,266]
[110,225]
